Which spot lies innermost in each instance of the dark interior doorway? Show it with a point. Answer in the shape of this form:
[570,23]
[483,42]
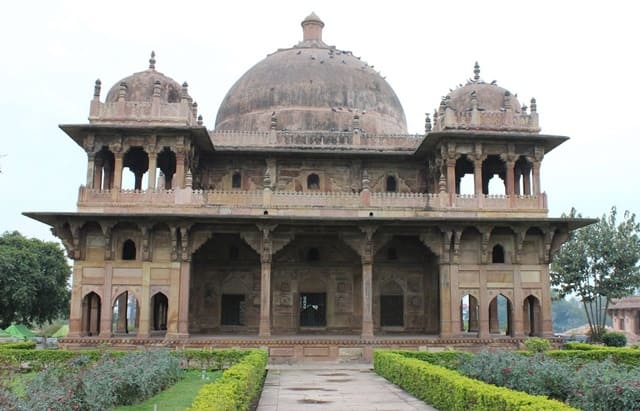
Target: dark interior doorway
[233,307]
[391,311]
[313,309]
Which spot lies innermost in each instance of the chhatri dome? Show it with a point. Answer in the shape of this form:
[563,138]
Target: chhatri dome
[312,86]
[478,105]
[139,87]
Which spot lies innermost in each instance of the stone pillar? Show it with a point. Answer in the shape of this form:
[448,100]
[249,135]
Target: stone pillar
[121,301]
[473,314]
[494,325]
[153,164]
[117,172]
[97,174]
[367,298]
[446,329]
[510,183]
[545,303]
[75,316]
[144,313]
[91,166]
[265,296]
[517,318]
[178,181]
[535,170]
[183,309]
[526,182]
[174,300]
[477,177]
[451,176]
[483,304]
[107,309]
[367,281]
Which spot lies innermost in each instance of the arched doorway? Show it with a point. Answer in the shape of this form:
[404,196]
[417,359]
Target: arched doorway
[469,314]
[531,316]
[125,314]
[91,307]
[500,321]
[159,310]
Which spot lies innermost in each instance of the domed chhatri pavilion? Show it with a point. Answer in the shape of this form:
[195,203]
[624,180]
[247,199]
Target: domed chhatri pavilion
[308,221]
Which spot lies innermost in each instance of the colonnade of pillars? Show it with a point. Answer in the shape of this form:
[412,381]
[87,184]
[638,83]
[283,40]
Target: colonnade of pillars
[105,168]
[515,173]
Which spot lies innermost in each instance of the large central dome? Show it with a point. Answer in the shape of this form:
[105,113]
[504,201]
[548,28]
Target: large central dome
[312,86]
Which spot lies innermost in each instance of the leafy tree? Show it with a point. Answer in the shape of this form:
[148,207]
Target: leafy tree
[33,280]
[567,314]
[598,263]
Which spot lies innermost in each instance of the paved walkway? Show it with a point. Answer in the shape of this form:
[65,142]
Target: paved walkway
[333,387]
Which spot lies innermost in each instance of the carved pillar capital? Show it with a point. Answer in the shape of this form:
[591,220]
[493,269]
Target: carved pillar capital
[185,252]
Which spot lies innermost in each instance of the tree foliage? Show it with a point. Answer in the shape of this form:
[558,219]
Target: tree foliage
[599,263]
[33,280]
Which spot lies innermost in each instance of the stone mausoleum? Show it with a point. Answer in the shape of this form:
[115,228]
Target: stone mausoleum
[308,220]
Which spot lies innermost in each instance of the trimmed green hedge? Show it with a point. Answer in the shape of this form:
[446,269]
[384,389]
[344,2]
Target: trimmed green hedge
[447,390]
[38,359]
[212,359]
[581,346]
[447,359]
[25,345]
[237,388]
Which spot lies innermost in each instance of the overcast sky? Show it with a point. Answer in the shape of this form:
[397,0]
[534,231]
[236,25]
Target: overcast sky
[578,59]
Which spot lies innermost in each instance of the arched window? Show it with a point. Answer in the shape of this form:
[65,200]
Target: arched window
[313,254]
[236,180]
[129,250]
[313,182]
[392,187]
[497,254]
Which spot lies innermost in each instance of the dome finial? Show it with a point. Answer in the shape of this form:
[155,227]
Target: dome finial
[152,61]
[312,28]
[476,72]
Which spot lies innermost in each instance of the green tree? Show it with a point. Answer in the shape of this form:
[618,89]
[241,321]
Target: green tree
[33,280]
[598,263]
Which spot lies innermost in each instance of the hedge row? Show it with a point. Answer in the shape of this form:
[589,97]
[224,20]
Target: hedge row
[38,359]
[24,345]
[624,356]
[237,388]
[447,390]
[211,359]
[580,346]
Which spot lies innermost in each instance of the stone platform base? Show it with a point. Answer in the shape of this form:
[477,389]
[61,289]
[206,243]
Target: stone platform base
[300,348]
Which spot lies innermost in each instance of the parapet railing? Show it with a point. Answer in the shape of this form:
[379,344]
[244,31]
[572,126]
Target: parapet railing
[306,202]
[353,140]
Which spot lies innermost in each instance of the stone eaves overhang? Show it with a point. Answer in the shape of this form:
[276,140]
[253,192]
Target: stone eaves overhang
[432,139]
[55,218]
[78,132]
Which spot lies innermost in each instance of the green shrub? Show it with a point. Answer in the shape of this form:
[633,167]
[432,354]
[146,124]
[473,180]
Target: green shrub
[537,344]
[237,388]
[447,390]
[613,339]
[580,346]
[621,356]
[24,345]
[447,359]
[38,359]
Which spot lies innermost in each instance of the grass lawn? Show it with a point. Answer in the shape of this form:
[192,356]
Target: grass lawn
[178,397]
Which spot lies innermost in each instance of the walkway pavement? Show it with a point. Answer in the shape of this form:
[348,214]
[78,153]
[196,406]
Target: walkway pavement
[333,387]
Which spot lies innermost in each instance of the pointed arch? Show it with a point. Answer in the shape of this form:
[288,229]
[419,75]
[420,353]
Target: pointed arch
[532,316]
[125,317]
[500,315]
[469,313]
[90,318]
[159,311]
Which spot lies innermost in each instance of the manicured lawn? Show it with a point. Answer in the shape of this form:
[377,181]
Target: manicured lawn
[178,397]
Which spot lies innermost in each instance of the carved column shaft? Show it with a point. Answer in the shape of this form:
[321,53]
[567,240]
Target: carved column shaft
[117,172]
[536,178]
[265,296]
[510,183]
[153,161]
[477,177]
[91,170]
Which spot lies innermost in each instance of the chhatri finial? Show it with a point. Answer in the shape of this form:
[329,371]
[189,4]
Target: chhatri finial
[476,72]
[152,61]
[427,123]
[96,88]
[534,105]
[274,121]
